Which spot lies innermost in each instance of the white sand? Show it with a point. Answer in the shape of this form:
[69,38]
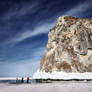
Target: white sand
[49,87]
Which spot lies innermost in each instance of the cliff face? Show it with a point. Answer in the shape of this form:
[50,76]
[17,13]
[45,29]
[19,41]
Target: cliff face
[69,46]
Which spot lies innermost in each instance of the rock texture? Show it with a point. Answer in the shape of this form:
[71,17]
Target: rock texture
[69,46]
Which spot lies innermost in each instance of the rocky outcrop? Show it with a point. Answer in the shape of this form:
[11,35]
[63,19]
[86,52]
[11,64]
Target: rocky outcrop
[69,46]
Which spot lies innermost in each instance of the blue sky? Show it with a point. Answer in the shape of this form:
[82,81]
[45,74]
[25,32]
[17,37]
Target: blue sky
[24,27]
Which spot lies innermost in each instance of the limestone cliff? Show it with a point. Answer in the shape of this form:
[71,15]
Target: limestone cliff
[69,46]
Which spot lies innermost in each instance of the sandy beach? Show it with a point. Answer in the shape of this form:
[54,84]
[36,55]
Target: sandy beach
[62,86]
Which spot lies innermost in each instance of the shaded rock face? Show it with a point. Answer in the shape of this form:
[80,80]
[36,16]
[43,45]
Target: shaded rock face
[69,46]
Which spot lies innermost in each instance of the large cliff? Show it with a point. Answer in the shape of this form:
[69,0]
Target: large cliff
[69,47]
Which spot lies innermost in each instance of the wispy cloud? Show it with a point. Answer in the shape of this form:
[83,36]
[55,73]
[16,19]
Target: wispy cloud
[28,33]
[44,27]
[39,52]
[79,9]
[17,13]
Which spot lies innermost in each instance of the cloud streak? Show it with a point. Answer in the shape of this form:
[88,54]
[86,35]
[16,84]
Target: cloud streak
[44,28]
[79,9]
[18,13]
[38,30]
[23,31]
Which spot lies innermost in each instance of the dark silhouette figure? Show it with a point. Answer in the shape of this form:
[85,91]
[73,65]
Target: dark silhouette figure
[22,80]
[27,79]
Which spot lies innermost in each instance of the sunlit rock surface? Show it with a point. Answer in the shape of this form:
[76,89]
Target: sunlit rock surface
[69,47]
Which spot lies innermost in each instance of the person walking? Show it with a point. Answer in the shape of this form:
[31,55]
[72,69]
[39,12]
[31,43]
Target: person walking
[17,80]
[27,79]
[22,80]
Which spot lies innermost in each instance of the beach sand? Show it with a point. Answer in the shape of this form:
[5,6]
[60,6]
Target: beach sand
[48,87]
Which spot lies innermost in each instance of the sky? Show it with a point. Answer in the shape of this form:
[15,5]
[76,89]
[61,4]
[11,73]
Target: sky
[24,27]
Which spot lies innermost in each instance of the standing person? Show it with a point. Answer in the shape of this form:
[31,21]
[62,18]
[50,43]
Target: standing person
[22,80]
[27,79]
[17,80]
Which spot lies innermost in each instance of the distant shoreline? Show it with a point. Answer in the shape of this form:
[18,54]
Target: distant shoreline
[13,78]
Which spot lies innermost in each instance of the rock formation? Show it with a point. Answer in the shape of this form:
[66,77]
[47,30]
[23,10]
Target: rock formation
[69,46]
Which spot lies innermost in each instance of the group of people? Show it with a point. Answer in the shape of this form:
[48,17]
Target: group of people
[22,80]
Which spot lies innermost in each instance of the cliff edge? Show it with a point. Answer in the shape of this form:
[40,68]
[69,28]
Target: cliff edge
[69,47]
